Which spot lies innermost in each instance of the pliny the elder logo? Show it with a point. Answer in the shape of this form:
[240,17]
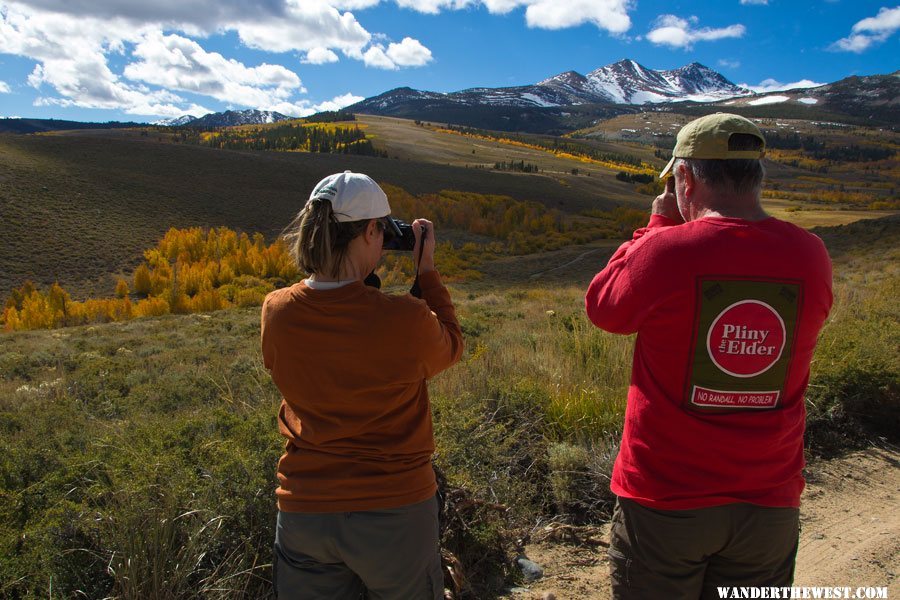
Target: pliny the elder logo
[746,339]
[742,343]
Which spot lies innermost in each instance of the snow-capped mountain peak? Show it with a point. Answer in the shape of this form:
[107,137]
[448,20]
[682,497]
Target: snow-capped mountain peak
[628,82]
[228,118]
[623,82]
[176,122]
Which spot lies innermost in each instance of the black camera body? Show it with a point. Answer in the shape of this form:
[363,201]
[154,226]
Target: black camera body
[398,235]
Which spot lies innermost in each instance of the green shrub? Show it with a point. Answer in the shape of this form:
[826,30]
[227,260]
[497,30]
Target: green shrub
[852,408]
[579,479]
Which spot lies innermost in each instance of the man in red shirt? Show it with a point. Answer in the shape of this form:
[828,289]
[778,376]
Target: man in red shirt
[727,303]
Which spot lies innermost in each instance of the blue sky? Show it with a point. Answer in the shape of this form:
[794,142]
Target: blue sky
[101,60]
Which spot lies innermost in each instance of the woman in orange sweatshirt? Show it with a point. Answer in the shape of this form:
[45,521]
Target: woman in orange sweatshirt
[356,495]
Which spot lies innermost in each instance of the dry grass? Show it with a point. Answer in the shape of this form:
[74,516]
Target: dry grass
[809,215]
[539,342]
[140,456]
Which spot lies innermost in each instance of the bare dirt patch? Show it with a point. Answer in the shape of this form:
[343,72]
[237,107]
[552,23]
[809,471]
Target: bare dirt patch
[850,535]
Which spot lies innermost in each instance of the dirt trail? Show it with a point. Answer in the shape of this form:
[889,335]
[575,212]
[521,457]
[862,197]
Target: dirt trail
[850,535]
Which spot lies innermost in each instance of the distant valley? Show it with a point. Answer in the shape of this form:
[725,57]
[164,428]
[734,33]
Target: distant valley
[570,101]
[103,193]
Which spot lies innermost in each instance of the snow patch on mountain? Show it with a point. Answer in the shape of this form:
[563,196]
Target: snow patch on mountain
[768,100]
[538,100]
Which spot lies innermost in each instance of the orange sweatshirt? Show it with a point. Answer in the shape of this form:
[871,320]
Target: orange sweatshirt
[351,364]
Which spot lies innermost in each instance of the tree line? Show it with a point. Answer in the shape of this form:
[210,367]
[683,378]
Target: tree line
[190,270]
[520,166]
[206,269]
[288,137]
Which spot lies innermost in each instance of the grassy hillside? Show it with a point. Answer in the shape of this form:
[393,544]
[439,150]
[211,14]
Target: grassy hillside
[78,207]
[36,125]
[139,457]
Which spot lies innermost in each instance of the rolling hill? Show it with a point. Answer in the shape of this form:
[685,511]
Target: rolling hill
[82,206]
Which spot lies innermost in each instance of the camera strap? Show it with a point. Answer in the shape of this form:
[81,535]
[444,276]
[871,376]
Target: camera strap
[416,290]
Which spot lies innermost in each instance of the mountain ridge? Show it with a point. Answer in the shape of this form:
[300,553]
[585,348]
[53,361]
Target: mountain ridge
[622,82]
[570,101]
[228,118]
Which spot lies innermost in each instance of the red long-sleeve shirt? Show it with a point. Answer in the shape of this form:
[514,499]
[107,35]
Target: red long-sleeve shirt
[727,313]
[352,365]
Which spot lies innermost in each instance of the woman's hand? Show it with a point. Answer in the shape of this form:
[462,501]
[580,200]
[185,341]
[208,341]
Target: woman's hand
[426,227]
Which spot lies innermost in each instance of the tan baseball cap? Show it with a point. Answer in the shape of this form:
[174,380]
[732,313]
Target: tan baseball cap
[707,137]
[353,196]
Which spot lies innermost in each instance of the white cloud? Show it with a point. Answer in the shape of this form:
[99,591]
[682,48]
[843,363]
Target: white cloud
[728,63]
[870,31]
[305,108]
[761,2]
[307,24]
[376,57]
[887,20]
[434,7]
[178,63]
[771,85]
[854,43]
[73,63]
[354,4]
[4,88]
[610,15]
[338,102]
[409,53]
[320,56]
[673,31]
[208,15]
[502,7]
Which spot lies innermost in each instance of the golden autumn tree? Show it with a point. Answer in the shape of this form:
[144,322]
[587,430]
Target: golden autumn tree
[142,285]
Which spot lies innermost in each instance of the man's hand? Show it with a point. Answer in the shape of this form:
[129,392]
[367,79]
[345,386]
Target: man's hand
[666,204]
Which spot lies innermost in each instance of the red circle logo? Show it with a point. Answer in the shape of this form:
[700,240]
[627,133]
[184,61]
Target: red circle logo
[746,339]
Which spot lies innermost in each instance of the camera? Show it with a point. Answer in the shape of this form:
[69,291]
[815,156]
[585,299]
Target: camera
[398,235]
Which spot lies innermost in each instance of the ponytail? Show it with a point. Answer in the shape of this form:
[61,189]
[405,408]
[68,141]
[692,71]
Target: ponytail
[318,241]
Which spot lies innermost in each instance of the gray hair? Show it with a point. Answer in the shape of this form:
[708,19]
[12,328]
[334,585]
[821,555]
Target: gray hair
[736,175]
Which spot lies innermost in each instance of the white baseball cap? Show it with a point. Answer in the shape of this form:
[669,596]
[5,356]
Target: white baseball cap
[353,196]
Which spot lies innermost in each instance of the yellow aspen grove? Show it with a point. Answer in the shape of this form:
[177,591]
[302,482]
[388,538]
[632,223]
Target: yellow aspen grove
[152,307]
[160,278]
[250,297]
[190,270]
[208,300]
[11,320]
[197,269]
[36,312]
[142,285]
[60,304]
